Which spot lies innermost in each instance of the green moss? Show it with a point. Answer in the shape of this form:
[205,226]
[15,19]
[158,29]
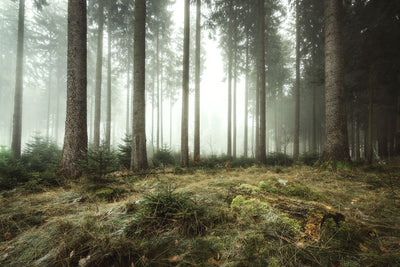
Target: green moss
[249,207]
[248,188]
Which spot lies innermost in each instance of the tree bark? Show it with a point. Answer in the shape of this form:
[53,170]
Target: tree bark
[19,76]
[336,143]
[230,58]
[234,102]
[297,89]
[197,85]
[75,139]
[99,67]
[108,119]
[246,101]
[357,145]
[369,154]
[49,100]
[185,89]
[139,153]
[158,86]
[128,94]
[261,72]
[314,121]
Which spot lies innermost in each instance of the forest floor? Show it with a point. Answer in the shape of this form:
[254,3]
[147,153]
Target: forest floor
[259,216]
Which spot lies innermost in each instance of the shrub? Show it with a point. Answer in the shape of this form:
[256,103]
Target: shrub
[99,163]
[163,157]
[166,209]
[12,171]
[125,151]
[280,159]
[40,155]
[309,158]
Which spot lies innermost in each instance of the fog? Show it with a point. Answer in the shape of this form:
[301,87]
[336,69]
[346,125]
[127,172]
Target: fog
[44,78]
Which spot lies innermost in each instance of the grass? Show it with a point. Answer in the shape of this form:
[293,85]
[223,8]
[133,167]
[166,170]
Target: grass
[258,216]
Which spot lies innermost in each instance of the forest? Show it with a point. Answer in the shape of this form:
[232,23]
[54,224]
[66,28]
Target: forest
[200,133]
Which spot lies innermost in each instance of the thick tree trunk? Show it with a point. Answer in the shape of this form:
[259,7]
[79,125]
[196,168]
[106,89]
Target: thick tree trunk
[75,139]
[246,101]
[19,76]
[336,143]
[99,67]
[185,89]
[108,118]
[139,153]
[197,86]
[261,84]
[297,89]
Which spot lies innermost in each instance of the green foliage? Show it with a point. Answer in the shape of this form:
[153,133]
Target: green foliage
[163,157]
[220,162]
[99,163]
[12,171]
[41,155]
[125,152]
[280,159]
[296,190]
[166,209]
[109,194]
[309,158]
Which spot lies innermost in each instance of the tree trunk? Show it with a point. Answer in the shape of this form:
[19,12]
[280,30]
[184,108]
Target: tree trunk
[75,139]
[314,121]
[139,153]
[336,143]
[230,57]
[19,76]
[49,100]
[261,73]
[297,89]
[357,145]
[246,101]
[99,67]
[108,119]
[185,89]
[369,154]
[197,86]
[234,102]
[128,94]
[158,86]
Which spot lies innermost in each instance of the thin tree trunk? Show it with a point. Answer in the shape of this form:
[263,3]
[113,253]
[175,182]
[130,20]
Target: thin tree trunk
[314,121]
[336,143]
[357,146]
[108,119]
[185,89]
[370,116]
[57,113]
[246,100]
[161,110]
[139,153]
[261,72]
[297,89]
[170,122]
[128,97]
[75,139]
[19,76]
[158,87]
[234,101]
[99,67]
[48,100]
[230,57]
[197,86]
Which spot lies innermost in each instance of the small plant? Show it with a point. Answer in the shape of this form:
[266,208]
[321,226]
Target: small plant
[125,152]
[40,155]
[280,159]
[99,163]
[163,158]
[12,171]
[168,209]
[309,158]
